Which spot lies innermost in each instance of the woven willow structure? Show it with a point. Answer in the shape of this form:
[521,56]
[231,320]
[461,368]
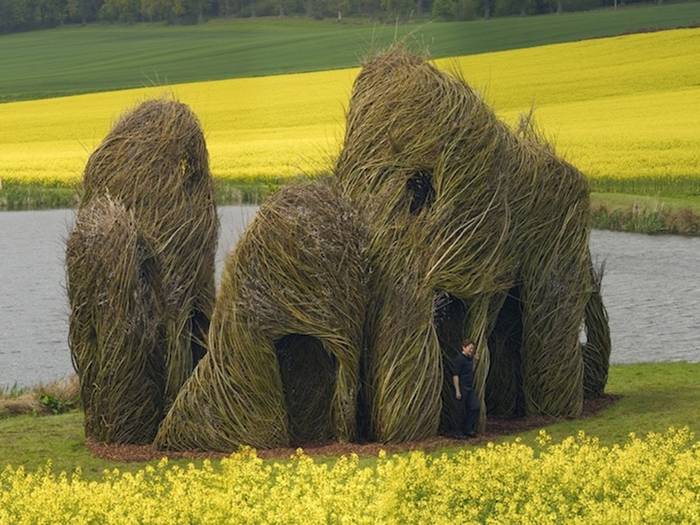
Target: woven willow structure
[596,350]
[461,208]
[286,336]
[120,363]
[140,264]
[346,297]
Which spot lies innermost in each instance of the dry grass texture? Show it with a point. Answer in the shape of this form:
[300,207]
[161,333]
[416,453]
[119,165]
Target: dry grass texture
[141,269]
[45,398]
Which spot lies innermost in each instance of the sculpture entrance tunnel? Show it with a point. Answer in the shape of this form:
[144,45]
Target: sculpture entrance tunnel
[308,375]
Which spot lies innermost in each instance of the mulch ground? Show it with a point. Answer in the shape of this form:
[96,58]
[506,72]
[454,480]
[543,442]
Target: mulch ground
[495,427]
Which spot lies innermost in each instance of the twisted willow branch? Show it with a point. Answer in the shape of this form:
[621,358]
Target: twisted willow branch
[596,350]
[147,222]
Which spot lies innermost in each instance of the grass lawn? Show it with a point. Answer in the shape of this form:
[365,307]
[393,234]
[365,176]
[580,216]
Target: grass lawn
[655,397]
[98,57]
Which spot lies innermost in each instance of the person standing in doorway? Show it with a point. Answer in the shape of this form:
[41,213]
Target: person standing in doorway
[463,379]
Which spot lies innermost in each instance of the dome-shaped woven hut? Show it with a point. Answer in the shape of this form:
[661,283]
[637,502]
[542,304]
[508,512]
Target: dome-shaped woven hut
[286,336]
[147,222]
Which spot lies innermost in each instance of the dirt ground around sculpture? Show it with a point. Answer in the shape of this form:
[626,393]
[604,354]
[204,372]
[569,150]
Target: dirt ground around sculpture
[495,427]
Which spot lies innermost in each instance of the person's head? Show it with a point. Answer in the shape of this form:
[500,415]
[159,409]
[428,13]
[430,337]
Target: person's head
[468,347]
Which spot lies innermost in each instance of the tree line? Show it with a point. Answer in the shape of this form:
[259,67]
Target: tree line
[23,15]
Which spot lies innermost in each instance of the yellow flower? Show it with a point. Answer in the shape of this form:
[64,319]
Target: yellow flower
[619,108]
[655,479]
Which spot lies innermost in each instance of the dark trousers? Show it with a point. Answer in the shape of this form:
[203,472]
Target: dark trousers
[471,421]
[468,412]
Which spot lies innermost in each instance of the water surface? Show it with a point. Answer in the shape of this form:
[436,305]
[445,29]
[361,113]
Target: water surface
[651,290]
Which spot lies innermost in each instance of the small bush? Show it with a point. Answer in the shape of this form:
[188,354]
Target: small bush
[56,397]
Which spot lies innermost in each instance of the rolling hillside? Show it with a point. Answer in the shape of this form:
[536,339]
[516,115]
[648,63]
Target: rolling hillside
[626,110]
[96,57]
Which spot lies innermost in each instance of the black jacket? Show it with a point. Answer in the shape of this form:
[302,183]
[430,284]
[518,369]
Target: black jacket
[463,367]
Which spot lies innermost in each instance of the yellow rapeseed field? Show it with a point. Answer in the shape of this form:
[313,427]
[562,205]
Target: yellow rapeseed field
[578,481]
[623,107]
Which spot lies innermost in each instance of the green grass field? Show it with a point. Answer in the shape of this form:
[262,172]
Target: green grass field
[71,60]
[654,398]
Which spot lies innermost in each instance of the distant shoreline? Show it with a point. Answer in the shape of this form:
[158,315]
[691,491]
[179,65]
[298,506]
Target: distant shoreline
[610,211]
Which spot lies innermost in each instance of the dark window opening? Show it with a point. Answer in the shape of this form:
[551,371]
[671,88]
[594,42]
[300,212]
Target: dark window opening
[420,191]
[308,375]
[504,384]
[200,327]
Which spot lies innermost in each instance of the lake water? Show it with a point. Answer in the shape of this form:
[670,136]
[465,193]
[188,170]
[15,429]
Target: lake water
[651,289]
